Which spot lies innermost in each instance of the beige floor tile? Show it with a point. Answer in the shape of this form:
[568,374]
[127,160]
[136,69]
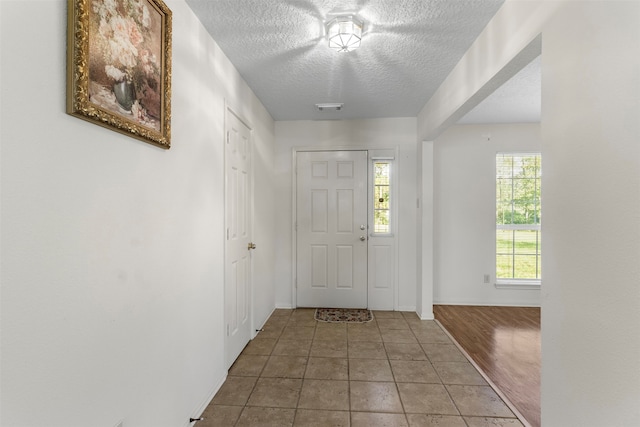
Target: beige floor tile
[370,335]
[260,346]
[381,314]
[260,417]
[321,418]
[276,323]
[492,422]
[369,370]
[424,326]
[393,323]
[235,391]
[285,367]
[362,326]
[303,318]
[248,365]
[220,416]
[414,371]
[276,393]
[298,333]
[331,326]
[278,312]
[269,331]
[324,394]
[374,396]
[372,419]
[478,401]
[458,373]
[398,336]
[435,336]
[366,350]
[426,399]
[331,334]
[292,347]
[424,420]
[327,368]
[298,322]
[404,351]
[443,353]
[329,349]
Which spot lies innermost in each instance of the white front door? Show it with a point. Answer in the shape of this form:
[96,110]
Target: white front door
[238,228]
[331,213]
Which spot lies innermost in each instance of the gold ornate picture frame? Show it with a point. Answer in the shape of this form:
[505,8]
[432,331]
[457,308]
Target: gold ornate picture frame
[119,66]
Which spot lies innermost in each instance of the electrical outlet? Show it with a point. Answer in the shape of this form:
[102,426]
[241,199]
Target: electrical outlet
[487,278]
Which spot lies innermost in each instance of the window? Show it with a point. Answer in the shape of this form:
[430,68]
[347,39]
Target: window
[518,217]
[381,197]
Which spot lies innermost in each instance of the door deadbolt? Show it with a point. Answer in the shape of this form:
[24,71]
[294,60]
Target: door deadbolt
[362,227]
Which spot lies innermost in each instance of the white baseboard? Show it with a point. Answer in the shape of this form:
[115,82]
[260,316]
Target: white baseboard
[485,304]
[284,306]
[200,410]
[407,308]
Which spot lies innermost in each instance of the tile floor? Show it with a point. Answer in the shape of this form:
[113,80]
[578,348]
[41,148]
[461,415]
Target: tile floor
[396,370]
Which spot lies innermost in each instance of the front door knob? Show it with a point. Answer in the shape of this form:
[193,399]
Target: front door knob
[363,238]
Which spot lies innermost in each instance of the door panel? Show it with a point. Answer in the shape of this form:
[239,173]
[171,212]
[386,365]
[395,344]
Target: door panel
[237,255]
[331,208]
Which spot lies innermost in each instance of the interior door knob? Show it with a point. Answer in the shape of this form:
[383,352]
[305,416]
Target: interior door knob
[363,238]
[251,246]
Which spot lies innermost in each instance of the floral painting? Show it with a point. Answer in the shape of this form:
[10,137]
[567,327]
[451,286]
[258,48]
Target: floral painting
[120,66]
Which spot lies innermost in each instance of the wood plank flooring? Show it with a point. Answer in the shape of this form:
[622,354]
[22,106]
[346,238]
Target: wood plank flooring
[505,343]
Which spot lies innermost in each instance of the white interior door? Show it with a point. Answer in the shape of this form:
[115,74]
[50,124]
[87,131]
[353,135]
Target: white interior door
[238,244]
[331,215]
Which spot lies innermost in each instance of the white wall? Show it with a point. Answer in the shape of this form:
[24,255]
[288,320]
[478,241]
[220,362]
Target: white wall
[112,249]
[374,133]
[591,215]
[591,206]
[465,212]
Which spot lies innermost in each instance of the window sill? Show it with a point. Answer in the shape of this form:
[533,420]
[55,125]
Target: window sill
[518,284]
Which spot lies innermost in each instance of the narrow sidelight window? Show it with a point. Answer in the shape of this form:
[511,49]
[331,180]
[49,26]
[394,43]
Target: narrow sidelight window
[381,197]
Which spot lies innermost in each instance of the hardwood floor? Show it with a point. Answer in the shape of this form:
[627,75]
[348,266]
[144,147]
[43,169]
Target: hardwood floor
[505,343]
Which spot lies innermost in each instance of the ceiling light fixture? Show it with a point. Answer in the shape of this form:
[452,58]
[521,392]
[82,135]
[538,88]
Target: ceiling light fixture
[330,106]
[344,33]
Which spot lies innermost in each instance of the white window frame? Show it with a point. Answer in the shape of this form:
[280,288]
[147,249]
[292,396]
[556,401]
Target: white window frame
[514,283]
[391,161]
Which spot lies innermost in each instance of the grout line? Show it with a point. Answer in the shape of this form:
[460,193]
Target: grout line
[495,388]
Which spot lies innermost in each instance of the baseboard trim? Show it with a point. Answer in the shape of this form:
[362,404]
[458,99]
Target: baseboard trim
[200,410]
[284,306]
[495,388]
[482,304]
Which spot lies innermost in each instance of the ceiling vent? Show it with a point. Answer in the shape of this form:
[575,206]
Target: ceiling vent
[330,106]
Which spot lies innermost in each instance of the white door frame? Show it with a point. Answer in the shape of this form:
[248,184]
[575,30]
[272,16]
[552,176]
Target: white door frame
[229,110]
[294,215]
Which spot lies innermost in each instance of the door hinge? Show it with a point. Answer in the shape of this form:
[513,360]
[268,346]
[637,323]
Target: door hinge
[296,225]
[228,136]
[227,233]
[227,329]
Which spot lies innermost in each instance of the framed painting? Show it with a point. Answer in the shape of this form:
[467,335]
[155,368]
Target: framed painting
[119,66]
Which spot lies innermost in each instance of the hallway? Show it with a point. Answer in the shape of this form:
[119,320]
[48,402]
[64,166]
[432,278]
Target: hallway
[393,371]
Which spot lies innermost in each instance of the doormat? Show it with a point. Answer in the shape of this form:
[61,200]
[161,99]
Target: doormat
[356,315]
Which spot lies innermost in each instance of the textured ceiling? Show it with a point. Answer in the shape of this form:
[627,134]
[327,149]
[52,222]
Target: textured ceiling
[516,101]
[408,48]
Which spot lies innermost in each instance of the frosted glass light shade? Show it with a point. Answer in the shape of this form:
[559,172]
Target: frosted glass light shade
[344,33]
